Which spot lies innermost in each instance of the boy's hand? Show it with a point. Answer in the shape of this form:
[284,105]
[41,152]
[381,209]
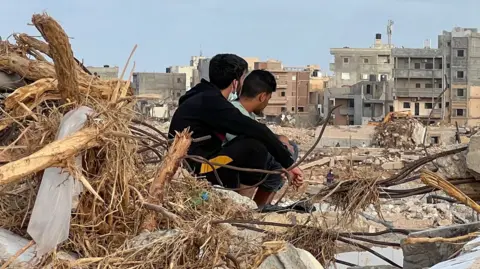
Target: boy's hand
[297,177]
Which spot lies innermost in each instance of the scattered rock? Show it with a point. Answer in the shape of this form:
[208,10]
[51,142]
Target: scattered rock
[290,258]
[392,165]
[473,155]
[237,198]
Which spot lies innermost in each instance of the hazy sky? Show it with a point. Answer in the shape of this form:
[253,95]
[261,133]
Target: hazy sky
[297,32]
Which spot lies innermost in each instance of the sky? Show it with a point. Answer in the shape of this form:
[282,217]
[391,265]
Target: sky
[298,33]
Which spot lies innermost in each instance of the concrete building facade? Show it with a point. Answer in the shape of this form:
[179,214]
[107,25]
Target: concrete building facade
[105,72]
[292,95]
[461,50]
[167,86]
[361,84]
[187,70]
[418,80]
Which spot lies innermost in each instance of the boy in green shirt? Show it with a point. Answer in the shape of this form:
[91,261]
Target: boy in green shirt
[256,91]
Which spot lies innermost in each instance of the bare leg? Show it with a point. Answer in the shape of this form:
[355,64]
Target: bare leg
[250,192]
[263,197]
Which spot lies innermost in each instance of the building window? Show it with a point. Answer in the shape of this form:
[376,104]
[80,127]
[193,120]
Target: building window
[345,76]
[428,106]
[449,43]
[428,85]
[428,65]
[439,85]
[447,104]
[293,109]
[294,78]
[406,104]
[418,85]
[365,76]
[417,66]
[300,109]
[391,108]
[350,122]
[365,61]
[440,66]
[179,80]
[460,53]
[461,92]
[460,112]
[284,109]
[448,65]
[345,60]
[369,89]
[460,74]
[282,93]
[350,102]
[367,105]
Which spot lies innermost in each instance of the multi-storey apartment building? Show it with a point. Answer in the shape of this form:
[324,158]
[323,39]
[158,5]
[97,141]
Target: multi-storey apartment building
[461,50]
[360,83]
[418,79]
[292,94]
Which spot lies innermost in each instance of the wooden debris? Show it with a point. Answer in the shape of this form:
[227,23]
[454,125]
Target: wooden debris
[52,154]
[62,55]
[167,170]
[432,179]
[453,240]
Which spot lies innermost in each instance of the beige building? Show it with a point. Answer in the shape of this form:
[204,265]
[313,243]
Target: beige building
[251,62]
[292,93]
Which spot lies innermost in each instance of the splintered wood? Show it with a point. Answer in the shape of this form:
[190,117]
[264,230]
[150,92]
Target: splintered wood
[432,179]
[52,154]
[168,168]
[62,55]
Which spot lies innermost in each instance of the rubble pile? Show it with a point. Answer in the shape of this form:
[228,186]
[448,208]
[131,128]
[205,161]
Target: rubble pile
[72,181]
[303,137]
[75,187]
[401,133]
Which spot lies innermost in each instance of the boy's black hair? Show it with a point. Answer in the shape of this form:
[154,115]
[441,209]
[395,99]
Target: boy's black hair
[224,68]
[257,82]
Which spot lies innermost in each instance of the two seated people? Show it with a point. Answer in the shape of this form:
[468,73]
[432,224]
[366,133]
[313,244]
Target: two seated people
[237,138]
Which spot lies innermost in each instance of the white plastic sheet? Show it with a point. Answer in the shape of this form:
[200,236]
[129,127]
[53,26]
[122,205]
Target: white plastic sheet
[58,193]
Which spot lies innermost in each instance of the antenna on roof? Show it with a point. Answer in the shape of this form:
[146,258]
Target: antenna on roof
[201,53]
[389,32]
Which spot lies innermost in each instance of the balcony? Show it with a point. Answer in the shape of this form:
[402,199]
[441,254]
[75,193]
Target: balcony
[418,92]
[417,73]
[344,111]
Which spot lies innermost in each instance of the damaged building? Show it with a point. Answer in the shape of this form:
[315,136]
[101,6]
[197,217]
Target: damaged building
[418,81]
[360,84]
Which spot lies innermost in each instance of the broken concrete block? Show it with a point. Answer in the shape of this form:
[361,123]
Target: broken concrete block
[237,198]
[291,258]
[322,161]
[10,243]
[473,155]
[418,133]
[392,165]
[424,255]
[453,166]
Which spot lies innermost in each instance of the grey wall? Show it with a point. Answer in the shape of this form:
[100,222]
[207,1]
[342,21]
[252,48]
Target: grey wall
[166,85]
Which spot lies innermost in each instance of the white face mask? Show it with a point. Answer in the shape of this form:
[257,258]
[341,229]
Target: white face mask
[233,95]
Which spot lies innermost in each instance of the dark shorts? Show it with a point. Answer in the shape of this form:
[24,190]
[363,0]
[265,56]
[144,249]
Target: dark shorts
[276,182]
[246,153]
[243,152]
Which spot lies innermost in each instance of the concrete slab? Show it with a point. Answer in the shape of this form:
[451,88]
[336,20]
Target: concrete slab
[424,255]
[345,136]
[393,165]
